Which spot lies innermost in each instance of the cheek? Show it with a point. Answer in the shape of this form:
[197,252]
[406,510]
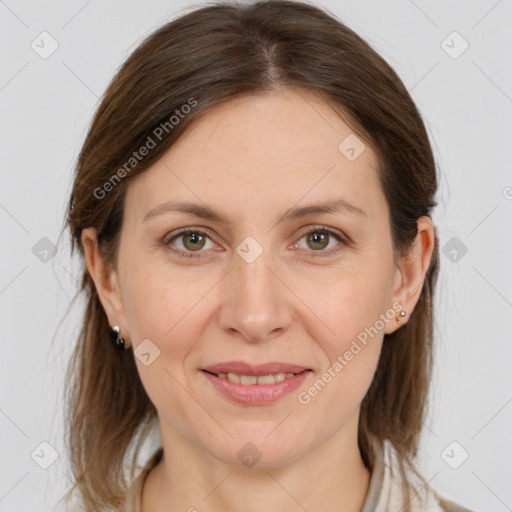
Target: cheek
[168,306]
[350,336]
[164,306]
[348,307]
[158,299]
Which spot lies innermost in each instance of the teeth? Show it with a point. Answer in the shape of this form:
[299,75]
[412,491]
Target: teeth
[248,380]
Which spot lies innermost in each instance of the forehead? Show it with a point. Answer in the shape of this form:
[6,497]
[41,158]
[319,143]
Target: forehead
[261,151]
[277,126]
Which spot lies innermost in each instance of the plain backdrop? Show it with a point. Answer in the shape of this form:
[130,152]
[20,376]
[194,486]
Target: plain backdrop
[454,58]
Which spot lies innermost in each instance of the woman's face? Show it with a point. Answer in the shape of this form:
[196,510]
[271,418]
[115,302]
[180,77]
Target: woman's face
[256,288]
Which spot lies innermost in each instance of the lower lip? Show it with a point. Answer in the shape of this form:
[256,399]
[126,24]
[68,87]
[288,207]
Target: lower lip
[256,394]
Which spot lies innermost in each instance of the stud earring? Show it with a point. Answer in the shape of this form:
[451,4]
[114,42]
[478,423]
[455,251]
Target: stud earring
[402,314]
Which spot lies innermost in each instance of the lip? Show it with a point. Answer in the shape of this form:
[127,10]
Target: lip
[244,368]
[256,394]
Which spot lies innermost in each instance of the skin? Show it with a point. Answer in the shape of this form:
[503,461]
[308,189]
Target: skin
[251,159]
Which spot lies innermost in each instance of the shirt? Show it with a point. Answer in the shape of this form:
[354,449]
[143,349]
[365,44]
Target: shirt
[384,491]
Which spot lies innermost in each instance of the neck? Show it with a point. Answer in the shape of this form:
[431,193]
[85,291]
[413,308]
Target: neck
[332,476]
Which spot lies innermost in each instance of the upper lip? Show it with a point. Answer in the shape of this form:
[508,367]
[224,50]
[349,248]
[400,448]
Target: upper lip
[243,368]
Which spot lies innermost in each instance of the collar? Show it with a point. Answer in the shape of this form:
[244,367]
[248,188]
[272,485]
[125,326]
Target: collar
[385,491]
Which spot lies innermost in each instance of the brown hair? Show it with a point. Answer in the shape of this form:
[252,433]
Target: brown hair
[205,57]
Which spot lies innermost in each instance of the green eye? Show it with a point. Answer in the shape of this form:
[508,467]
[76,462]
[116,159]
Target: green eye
[194,240]
[318,239]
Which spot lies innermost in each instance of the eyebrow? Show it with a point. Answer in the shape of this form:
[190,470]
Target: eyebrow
[339,205]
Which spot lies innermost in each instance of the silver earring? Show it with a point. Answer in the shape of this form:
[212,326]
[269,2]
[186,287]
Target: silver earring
[402,314]
[117,337]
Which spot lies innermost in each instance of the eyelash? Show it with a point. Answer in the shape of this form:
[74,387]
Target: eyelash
[321,229]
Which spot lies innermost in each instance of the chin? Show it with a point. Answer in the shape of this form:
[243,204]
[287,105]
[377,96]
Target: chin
[259,450]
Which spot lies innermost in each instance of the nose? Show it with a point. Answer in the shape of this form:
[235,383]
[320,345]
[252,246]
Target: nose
[255,303]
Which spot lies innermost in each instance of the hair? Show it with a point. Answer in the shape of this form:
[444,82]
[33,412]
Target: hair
[205,57]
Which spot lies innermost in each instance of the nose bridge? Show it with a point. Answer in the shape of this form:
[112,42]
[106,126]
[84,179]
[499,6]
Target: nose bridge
[256,305]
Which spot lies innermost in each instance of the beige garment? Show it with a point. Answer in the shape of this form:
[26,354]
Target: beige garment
[384,492]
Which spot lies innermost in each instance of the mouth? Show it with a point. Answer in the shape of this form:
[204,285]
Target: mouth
[254,385]
[258,370]
[249,380]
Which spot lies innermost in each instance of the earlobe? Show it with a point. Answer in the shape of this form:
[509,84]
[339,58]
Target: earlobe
[104,277]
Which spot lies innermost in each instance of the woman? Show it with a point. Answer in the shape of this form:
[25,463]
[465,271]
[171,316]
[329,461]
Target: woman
[253,206]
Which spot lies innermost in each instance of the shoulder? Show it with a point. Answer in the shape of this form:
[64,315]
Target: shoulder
[450,506]
[389,490]
[133,497]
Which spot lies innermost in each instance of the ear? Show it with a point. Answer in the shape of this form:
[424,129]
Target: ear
[410,273]
[106,281]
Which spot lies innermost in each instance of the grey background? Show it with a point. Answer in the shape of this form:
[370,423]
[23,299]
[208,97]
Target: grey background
[46,105]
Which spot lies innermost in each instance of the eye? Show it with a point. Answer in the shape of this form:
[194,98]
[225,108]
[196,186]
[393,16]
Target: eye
[318,238]
[193,241]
